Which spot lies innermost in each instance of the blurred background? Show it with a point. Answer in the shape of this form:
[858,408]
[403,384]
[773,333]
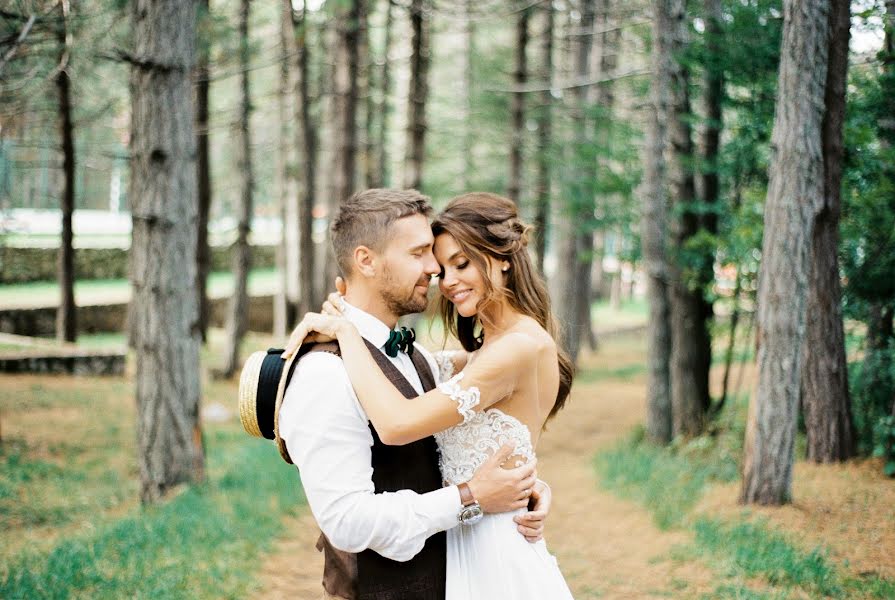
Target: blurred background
[168,171]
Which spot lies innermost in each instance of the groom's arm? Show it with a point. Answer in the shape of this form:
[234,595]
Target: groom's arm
[330,442]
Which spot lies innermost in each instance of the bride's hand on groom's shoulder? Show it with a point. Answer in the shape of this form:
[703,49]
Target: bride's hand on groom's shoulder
[334,305]
[315,327]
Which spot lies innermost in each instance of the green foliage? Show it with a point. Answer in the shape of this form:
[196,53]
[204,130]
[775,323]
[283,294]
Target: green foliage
[202,544]
[670,481]
[884,432]
[872,389]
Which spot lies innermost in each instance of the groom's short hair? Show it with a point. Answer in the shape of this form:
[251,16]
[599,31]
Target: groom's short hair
[364,220]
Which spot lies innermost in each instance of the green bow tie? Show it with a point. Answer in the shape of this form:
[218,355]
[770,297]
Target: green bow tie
[400,340]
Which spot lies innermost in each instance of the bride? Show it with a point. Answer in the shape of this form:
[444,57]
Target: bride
[513,379]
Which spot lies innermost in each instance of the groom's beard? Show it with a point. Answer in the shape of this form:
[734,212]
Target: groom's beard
[406,303]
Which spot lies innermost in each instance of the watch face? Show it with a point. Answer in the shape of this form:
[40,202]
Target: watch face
[471,514]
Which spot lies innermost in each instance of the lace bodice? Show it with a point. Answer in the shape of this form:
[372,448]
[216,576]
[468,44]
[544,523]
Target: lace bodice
[466,446]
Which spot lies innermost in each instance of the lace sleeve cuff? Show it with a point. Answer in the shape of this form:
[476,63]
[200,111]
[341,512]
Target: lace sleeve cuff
[445,361]
[466,400]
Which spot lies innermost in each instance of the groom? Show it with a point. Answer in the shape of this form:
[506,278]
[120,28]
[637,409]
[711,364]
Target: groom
[382,509]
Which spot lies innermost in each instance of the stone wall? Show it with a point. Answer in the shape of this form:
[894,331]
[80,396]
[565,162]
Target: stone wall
[21,265]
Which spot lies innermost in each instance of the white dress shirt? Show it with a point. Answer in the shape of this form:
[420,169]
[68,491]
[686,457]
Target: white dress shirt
[327,433]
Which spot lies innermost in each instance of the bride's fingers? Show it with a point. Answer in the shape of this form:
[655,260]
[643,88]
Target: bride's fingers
[336,300]
[341,288]
[331,309]
[295,340]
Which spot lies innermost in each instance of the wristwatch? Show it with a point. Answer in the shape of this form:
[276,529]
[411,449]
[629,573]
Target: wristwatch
[471,513]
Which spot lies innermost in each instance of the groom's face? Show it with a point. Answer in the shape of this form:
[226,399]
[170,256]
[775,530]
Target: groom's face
[407,265]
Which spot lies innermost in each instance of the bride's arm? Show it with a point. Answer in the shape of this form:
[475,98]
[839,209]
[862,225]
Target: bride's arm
[399,420]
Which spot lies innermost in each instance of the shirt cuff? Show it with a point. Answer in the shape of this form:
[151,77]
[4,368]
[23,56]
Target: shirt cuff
[443,506]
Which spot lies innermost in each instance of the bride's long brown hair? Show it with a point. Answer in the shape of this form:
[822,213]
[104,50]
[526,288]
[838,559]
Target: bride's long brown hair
[485,225]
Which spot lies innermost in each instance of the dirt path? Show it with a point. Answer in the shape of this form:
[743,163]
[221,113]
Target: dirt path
[606,547]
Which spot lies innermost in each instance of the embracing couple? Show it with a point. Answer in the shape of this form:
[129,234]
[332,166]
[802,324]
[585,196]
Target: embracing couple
[419,467]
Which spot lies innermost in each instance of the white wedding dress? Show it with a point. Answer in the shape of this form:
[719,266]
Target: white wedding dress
[490,560]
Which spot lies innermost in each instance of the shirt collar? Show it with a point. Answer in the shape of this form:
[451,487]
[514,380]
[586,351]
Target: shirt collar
[369,327]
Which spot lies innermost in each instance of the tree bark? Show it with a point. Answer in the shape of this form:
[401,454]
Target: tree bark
[365,93]
[578,247]
[653,232]
[691,342]
[203,175]
[241,253]
[825,398]
[383,169]
[544,119]
[163,268]
[306,149]
[345,80]
[66,315]
[517,108]
[287,256]
[795,194]
[419,94]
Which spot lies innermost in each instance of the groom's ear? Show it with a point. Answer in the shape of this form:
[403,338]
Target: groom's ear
[365,261]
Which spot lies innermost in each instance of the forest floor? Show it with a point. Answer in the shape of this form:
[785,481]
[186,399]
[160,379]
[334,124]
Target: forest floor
[608,547]
[71,522]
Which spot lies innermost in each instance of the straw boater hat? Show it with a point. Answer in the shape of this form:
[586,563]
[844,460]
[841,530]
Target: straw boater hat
[262,386]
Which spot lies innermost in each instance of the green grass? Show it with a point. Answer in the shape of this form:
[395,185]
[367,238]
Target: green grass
[670,481]
[205,543]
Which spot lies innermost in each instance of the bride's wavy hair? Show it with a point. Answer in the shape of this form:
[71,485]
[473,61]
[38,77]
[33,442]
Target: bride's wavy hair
[485,225]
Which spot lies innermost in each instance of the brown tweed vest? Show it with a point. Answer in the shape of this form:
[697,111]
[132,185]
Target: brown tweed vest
[368,575]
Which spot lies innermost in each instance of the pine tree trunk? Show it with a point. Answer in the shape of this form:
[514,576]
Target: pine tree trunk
[467,95]
[345,80]
[365,93]
[825,398]
[383,169]
[691,342]
[795,194]
[163,264]
[287,255]
[419,94]
[579,244]
[203,174]
[304,271]
[653,232]
[544,118]
[66,316]
[517,109]
[237,318]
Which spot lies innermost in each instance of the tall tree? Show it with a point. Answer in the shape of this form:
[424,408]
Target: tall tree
[517,108]
[825,398]
[544,117]
[349,16]
[383,168]
[203,165]
[365,87]
[795,194]
[306,145]
[165,331]
[287,255]
[66,315]
[578,247]
[419,94]
[240,251]
[469,53]
[653,229]
[690,339]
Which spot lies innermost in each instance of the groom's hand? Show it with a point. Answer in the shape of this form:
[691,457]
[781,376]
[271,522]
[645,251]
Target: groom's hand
[531,524]
[501,490]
